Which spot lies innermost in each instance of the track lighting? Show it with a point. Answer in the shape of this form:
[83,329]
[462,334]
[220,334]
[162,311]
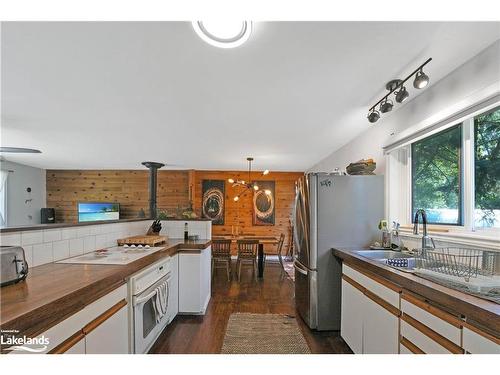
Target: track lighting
[421,80]
[386,106]
[402,95]
[373,116]
[396,86]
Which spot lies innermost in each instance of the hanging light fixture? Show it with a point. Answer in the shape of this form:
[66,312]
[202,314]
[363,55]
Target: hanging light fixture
[396,86]
[246,185]
[421,80]
[402,95]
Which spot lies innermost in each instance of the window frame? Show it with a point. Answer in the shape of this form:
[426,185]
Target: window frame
[460,222]
[399,184]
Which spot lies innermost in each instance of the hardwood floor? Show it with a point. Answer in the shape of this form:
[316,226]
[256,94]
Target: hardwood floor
[274,294]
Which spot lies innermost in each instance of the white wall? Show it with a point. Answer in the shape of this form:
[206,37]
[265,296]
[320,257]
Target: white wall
[474,81]
[20,212]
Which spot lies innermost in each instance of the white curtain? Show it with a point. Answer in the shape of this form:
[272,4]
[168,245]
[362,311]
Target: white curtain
[3,197]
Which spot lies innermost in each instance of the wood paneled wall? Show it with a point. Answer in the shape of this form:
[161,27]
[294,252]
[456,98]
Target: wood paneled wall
[239,214]
[128,187]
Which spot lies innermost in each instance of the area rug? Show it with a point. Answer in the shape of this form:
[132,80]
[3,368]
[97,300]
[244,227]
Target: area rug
[263,334]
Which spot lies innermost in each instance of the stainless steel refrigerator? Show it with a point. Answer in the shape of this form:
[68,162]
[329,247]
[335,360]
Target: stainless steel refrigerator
[329,211]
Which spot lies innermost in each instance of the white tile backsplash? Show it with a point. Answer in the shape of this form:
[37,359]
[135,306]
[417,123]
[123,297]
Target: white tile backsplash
[75,247]
[61,249]
[10,239]
[89,244]
[49,245]
[42,254]
[68,233]
[51,235]
[31,237]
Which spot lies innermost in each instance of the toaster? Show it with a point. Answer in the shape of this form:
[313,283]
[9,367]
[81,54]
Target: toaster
[14,267]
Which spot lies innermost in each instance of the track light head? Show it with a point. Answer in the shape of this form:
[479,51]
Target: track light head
[386,106]
[421,80]
[402,95]
[373,116]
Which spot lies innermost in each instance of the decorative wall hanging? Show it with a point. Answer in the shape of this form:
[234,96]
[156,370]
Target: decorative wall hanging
[213,201]
[264,204]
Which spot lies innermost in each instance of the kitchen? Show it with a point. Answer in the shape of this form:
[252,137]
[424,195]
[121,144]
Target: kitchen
[147,206]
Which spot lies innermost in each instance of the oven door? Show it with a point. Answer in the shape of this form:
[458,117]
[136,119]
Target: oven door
[146,327]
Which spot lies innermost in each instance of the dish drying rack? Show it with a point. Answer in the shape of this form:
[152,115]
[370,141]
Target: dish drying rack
[478,270]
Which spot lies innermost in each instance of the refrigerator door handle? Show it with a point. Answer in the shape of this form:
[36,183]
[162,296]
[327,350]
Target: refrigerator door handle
[294,221]
[299,268]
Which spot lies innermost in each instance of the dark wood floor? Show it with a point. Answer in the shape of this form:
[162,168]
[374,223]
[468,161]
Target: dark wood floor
[274,294]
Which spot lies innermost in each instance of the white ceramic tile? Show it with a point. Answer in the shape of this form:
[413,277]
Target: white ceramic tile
[76,246]
[31,237]
[111,239]
[100,241]
[28,253]
[89,244]
[68,233]
[60,249]
[51,235]
[42,254]
[95,229]
[10,239]
[83,231]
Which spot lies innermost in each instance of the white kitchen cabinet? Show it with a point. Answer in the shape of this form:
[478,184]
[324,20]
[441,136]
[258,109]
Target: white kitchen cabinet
[108,334]
[173,298]
[380,329]
[370,314]
[351,324]
[194,281]
[476,341]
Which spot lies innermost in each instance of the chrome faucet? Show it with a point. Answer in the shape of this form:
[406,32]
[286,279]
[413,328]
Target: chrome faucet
[425,238]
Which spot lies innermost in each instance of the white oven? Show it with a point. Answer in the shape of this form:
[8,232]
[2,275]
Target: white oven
[149,292]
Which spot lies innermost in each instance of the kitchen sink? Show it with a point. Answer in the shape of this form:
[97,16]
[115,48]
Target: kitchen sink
[382,254]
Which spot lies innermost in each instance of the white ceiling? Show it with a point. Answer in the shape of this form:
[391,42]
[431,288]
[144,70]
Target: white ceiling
[114,94]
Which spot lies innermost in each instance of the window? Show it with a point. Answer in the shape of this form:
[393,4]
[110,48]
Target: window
[487,169]
[436,176]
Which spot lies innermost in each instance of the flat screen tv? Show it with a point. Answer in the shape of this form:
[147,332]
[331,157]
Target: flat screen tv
[98,211]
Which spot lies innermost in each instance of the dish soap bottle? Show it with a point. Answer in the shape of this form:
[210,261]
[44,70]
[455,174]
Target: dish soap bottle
[186,235]
[386,235]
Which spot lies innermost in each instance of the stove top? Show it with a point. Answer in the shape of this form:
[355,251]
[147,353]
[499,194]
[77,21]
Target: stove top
[113,255]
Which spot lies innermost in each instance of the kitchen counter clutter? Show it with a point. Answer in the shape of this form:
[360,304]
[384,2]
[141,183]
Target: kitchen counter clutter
[385,310]
[54,292]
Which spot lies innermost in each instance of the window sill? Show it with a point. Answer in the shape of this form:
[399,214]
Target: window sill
[489,239]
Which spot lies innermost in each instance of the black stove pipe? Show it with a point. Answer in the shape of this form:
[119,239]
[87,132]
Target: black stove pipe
[153,169]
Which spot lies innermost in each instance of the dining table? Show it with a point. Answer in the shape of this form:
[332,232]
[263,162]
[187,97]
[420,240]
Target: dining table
[262,240]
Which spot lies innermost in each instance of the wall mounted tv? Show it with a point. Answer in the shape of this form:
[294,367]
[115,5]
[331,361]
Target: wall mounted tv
[98,211]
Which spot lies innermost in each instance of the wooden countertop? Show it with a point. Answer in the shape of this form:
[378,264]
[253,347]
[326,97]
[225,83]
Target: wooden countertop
[477,311]
[53,292]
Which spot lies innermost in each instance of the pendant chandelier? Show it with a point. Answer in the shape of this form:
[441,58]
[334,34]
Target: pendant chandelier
[247,185]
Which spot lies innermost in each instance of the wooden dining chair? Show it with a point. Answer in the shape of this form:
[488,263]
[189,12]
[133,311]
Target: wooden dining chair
[281,241]
[221,256]
[247,254]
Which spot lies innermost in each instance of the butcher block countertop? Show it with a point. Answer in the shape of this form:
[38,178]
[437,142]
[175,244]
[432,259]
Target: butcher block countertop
[54,291]
[479,312]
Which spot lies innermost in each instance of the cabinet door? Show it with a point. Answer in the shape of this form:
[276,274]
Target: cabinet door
[109,334]
[189,283]
[173,298]
[351,324]
[380,329]
[478,342]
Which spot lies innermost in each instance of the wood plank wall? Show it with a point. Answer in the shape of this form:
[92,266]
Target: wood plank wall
[65,188]
[130,188]
[240,213]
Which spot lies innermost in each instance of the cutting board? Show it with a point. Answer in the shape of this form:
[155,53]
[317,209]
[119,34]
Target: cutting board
[151,240]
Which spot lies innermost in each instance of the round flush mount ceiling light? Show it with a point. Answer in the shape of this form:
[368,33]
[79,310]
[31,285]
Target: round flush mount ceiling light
[223,34]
